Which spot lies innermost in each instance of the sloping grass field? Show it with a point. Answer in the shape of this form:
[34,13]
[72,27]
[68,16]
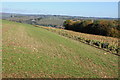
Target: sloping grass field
[105,39]
[32,52]
[90,39]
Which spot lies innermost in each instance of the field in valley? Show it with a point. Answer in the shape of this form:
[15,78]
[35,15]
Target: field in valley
[33,52]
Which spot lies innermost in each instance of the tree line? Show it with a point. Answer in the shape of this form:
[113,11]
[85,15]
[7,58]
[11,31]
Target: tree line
[98,27]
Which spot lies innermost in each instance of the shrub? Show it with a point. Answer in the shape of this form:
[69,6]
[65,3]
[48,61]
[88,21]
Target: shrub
[111,48]
[104,45]
[88,41]
[98,27]
[97,43]
[118,50]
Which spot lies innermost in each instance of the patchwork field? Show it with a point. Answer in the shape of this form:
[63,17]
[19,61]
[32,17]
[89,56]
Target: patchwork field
[33,52]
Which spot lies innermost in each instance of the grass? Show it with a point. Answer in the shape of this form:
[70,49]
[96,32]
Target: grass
[0,49]
[112,41]
[90,39]
[51,20]
[32,52]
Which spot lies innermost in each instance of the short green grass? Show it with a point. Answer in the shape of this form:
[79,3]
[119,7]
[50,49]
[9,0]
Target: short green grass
[32,52]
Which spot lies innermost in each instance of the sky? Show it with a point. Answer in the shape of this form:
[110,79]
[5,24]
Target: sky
[60,0]
[86,9]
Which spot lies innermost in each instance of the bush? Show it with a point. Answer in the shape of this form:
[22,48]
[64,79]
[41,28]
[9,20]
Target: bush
[111,48]
[97,43]
[118,50]
[88,41]
[98,27]
[104,45]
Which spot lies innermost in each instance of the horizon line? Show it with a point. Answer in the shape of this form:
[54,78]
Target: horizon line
[60,15]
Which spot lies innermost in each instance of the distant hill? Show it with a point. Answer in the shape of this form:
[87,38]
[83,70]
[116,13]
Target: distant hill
[51,20]
[58,16]
[44,20]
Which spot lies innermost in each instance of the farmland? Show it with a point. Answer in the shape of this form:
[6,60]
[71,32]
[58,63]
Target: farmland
[34,52]
[93,40]
[111,40]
